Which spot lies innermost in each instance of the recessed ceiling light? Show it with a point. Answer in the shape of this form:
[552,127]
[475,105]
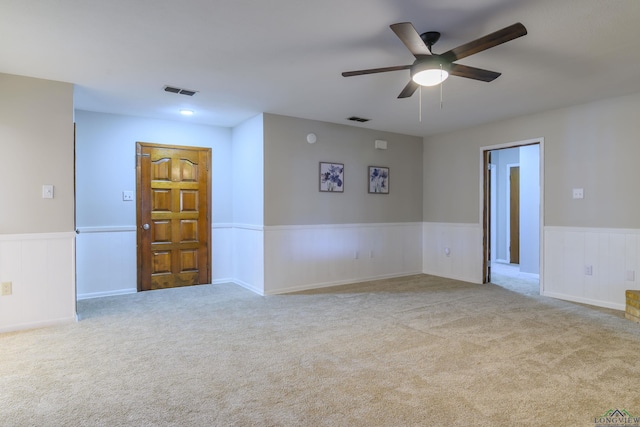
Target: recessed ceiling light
[186,112]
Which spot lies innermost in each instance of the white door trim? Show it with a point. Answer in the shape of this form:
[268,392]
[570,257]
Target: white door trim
[534,141]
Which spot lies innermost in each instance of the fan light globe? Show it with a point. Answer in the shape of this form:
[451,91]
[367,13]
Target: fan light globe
[430,71]
[430,77]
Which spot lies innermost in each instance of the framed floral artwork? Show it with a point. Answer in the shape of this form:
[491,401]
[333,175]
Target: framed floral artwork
[378,180]
[332,177]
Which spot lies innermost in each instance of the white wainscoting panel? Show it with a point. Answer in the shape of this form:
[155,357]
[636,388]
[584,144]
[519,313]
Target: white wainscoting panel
[248,257]
[612,254]
[222,253]
[106,261]
[316,256]
[464,242]
[42,272]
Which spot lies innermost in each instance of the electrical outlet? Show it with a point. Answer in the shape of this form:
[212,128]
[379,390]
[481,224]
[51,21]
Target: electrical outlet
[578,193]
[127,196]
[631,276]
[7,288]
[588,270]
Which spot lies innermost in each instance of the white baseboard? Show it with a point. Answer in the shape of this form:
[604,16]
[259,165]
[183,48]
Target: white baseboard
[453,277]
[587,301]
[223,281]
[37,325]
[133,291]
[106,293]
[247,286]
[338,283]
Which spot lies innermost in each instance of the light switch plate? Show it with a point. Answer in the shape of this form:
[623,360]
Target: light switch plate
[127,196]
[47,191]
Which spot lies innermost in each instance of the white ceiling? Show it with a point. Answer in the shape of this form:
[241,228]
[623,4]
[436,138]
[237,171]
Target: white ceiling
[285,57]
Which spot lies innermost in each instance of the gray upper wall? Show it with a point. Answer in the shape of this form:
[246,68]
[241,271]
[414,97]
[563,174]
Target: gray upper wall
[263,170]
[106,164]
[593,146]
[291,192]
[36,142]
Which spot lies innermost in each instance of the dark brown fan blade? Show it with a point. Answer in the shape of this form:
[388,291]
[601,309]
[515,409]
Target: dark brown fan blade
[375,70]
[409,89]
[483,43]
[411,39]
[473,73]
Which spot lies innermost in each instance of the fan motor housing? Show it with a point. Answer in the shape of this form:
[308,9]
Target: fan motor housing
[430,38]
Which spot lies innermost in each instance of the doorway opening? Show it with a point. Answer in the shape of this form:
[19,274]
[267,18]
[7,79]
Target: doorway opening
[511,208]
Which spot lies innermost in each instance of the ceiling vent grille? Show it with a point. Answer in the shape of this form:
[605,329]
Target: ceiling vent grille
[358,119]
[186,92]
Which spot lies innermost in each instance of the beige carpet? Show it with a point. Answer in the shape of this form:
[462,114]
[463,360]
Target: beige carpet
[415,351]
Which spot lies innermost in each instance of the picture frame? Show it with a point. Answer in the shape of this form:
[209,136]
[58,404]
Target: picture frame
[331,177]
[378,180]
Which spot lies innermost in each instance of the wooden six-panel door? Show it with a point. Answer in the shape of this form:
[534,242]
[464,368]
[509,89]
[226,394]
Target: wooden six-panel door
[173,225]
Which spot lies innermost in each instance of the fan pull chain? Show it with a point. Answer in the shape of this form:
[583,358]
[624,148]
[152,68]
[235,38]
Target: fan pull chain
[420,103]
[441,84]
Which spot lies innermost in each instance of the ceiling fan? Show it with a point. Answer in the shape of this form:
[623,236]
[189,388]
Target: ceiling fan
[430,69]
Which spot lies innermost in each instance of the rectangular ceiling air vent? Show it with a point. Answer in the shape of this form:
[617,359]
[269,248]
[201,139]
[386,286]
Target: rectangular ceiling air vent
[358,119]
[186,92]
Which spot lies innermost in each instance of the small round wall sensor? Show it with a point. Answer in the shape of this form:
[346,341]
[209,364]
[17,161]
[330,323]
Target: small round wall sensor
[311,138]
